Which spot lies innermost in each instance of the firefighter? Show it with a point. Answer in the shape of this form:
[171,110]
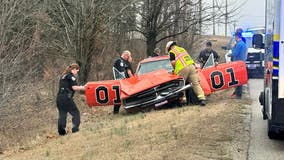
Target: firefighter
[122,69]
[184,66]
[65,104]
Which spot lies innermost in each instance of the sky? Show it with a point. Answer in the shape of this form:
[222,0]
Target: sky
[251,14]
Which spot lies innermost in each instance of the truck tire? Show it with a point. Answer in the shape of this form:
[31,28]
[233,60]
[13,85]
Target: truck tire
[266,103]
[261,99]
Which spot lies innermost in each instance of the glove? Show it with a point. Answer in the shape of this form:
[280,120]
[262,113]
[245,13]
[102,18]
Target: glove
[216,64]
[230,55]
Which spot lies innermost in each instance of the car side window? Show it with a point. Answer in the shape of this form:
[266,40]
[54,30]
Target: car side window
[210,61]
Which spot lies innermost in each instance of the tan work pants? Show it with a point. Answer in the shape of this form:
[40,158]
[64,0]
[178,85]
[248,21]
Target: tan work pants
[189,73]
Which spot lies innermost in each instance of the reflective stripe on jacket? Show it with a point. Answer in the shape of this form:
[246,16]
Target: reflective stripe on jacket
[182,58]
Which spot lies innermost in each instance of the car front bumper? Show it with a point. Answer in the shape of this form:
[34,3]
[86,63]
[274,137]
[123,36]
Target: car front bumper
[161,99]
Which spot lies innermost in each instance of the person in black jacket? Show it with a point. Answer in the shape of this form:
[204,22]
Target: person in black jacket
[122,69]
[204,54]
[157,52]
[65,104]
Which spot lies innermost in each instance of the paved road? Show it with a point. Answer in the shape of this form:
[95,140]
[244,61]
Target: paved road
[261,147]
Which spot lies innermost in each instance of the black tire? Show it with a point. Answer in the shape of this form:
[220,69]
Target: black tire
[266,100]
[191,97]
[261,98]
[264,116]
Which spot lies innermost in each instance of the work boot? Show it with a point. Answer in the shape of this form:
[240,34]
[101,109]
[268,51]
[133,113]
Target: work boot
[74,130]
[234,96]
[61,132]
[115,112]
[202,103]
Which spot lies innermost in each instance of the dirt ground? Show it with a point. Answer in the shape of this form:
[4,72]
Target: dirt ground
[218,131]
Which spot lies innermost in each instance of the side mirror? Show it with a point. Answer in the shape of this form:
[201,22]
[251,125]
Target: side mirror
[225,47]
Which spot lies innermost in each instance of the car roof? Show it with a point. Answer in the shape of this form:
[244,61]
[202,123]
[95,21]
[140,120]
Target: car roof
[157,58]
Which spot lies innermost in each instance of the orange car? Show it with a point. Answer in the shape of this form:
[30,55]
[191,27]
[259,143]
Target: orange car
[154,85]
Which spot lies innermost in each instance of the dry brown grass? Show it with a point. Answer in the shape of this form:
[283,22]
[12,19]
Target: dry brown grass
[218,131]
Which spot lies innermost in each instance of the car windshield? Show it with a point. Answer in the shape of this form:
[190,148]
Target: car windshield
[154,65]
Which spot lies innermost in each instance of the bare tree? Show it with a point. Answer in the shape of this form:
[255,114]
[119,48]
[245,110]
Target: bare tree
[79,28]
[227,12]
[161,19]
[121,18]
[20,47]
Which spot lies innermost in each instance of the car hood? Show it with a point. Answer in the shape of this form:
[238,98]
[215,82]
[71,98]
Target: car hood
[254,50]
[136,84]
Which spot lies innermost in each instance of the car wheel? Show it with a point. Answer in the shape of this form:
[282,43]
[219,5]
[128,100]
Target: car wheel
[191,97]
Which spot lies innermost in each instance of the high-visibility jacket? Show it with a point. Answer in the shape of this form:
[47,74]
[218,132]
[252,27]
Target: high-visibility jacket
[182,58]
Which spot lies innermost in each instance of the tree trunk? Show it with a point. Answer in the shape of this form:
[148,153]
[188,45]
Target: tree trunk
[85,68]
[151,43]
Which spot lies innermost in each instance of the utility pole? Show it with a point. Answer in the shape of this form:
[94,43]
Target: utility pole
[235,24]
[213,17]
[200,16]
[226,17]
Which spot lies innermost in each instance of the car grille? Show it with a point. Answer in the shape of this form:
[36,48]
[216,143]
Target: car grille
[255,56]
[153,93]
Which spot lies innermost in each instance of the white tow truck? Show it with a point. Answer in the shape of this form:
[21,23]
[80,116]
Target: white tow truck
[272,96]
